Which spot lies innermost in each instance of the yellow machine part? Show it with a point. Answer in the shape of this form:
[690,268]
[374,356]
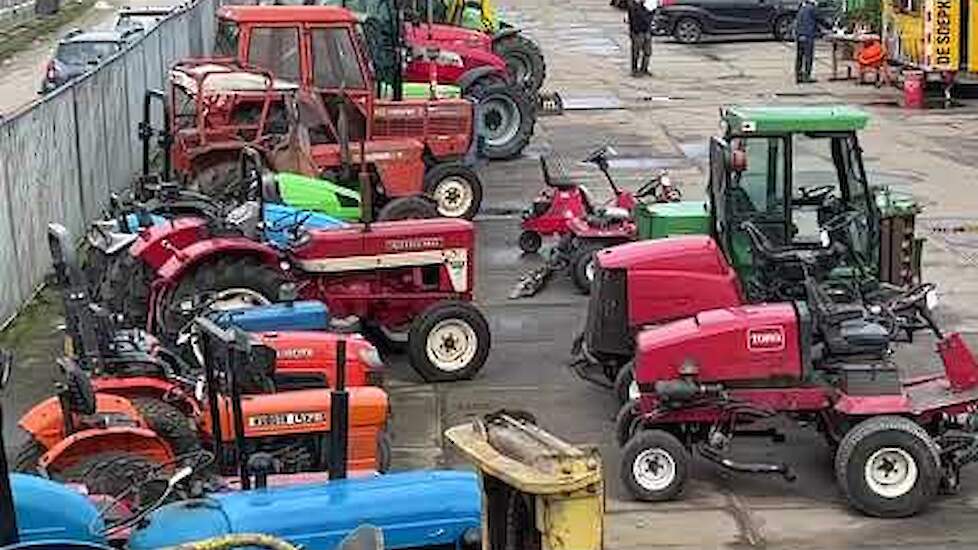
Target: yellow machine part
[565,483]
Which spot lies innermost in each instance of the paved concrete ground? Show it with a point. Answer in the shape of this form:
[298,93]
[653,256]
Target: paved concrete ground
[665,121]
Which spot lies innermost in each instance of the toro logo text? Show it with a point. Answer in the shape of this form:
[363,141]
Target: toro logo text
[765,339]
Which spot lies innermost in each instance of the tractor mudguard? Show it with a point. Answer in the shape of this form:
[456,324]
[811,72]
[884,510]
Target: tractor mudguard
[148,386]
[504,32]
[420,509]
[221,247]
[46,424]
[52,513]
[156,244]
[470,76]
[77,446]
[871,405]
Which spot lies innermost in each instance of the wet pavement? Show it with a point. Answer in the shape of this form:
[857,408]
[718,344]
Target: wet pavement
[655,123]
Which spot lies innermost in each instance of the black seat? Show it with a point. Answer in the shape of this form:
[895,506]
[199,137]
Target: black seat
[772,253]
[561,181]
[844,327]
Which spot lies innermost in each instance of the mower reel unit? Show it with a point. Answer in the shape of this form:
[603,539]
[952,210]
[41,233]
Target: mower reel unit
[897,440]
[759,173]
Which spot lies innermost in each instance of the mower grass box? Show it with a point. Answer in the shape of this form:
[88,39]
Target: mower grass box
[658,220]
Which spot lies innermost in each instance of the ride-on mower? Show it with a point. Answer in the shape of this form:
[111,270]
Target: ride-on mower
[429,509]
[898,437]
[413,146]
[795,173]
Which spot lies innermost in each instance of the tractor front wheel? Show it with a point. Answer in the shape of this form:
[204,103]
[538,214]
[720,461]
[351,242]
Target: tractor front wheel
[169,423]
[507,117]
[655,466]
[626,422]
[455,188]
[625,387]
[888,467]
[408,208]
[449,341]
[524,60]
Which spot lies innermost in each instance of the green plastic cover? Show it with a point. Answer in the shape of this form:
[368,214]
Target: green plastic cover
[420,90]
[319,195]
[659,220]
[783,119]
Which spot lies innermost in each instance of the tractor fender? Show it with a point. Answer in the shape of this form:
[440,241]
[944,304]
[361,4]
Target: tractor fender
[505,32]
[77,446]
[155,244]
[470,76]
[46,424]
[148,386]
[872,405]
[178,265]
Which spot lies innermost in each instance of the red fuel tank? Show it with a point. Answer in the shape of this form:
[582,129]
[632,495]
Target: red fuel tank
[730,346]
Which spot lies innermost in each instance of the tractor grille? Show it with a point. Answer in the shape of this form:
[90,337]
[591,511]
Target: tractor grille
[606,330]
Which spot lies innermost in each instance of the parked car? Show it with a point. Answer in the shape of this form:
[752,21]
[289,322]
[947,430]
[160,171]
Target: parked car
[142,19]
[689,20]
[79,52]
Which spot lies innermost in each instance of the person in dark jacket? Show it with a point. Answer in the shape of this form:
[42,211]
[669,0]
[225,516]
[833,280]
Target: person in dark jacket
[640,30]
[807,27]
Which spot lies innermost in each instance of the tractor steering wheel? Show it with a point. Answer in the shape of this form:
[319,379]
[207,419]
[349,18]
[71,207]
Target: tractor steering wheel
[155,489]
[840,221]
[600,154]
[660,187]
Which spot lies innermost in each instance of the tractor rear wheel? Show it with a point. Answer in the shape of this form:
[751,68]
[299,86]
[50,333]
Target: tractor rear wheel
[28,456]
[507,117]
[125,288]
[654,466]
[108,473]
[408,208]
[221,181]
[169,423]
[231,282]
[449,341]
[524,60]
[455,188]
[888,467]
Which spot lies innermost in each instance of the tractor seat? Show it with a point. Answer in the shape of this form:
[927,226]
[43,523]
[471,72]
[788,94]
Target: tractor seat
[857,337]
[614,213]
[773,253]
[561,181]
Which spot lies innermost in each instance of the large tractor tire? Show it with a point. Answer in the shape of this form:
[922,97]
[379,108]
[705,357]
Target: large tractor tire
[236,281]
[220,181]
[107,473]
[408,208]
[125,288]
[27,456]
[888,467]
[455,188]
[524,60]
[449,341]
[169,423]
[508,116]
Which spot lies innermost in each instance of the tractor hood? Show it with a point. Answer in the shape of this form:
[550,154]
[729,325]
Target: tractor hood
[672,278]
[414,509]
[752,342]
[447,35]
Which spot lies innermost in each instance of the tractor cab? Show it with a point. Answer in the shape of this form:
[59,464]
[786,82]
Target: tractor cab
[797,175]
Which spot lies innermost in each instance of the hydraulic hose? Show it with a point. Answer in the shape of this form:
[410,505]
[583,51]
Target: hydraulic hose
[242,540]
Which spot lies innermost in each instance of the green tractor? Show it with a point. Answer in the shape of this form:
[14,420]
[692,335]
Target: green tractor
[794,172]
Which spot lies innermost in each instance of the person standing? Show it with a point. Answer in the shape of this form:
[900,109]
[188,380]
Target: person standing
[640,31]
[807,26]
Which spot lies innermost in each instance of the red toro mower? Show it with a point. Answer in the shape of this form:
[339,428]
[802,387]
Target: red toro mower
[898,440]
[566,209]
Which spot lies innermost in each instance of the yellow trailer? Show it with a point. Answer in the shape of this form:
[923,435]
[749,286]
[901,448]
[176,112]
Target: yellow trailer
[939,37]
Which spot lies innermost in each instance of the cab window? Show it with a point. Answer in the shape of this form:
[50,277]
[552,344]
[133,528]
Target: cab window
[334,60]
[758,190]
[276,49]
[226,41]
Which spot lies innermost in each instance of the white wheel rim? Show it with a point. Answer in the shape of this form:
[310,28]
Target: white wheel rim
[891,472]
[589,270]
[232,298]
[654,469]
[451,345]
[509,120]
[454,197]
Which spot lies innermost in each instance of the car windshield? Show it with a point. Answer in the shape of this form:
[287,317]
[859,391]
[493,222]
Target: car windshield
[81,53]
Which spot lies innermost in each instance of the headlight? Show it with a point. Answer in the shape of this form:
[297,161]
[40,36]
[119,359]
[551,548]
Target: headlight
[931,299]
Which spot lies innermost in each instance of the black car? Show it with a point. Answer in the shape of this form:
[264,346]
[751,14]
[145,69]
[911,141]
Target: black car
[79,52]
[689,20]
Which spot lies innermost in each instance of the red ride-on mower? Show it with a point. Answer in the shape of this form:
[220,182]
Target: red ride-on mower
[897,439]
[566,209]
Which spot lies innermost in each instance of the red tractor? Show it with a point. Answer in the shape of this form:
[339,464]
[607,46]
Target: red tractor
[414,146]
[898,439]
